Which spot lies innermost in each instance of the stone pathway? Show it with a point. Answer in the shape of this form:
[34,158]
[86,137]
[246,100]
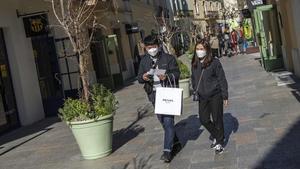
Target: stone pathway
[261,126]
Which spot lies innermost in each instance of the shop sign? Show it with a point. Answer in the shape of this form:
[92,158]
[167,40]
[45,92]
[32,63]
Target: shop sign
[36,25]
[257,2]
[132,28]
[253,3]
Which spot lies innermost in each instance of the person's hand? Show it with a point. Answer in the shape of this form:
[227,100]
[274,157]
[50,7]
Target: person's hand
[225,103]
[145,77]
[162,77]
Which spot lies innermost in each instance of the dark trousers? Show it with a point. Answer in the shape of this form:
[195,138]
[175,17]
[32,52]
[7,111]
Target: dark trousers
[170,137]
[167,122]
[211,117]
[215,52]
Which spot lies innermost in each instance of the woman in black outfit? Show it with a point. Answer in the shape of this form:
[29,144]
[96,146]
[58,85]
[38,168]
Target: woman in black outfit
[210,85]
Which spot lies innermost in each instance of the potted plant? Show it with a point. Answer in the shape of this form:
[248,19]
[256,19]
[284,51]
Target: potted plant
[90,117]
[184,80]
[91,122]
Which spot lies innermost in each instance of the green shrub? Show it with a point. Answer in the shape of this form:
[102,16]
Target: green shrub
[101,103]
[104,102]
[184,70]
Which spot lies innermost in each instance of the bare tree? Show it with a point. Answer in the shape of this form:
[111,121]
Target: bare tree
[167,32]
[78,20]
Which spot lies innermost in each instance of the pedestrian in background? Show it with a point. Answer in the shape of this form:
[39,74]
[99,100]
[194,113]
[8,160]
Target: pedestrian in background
[214,42]
[155,58]
[221,42]
[234,40]
[210,86]
[227,42]
[241,40]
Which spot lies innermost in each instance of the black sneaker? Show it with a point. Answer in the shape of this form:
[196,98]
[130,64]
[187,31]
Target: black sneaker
[214,144]
[219,149]
[166,157]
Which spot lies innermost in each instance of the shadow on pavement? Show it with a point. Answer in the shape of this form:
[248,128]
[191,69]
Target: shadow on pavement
[121,137]
[138,163]
[125,85]
[35,130]
[188,129]
[231,125]
[295,87]
[285,153]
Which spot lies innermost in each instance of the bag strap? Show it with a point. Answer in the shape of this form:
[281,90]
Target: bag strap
[169,79]
[199,80]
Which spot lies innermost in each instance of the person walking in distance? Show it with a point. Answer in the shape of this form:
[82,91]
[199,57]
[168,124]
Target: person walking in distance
[241,40]
[210,85]
[234,41]
[155,58]
[214,42]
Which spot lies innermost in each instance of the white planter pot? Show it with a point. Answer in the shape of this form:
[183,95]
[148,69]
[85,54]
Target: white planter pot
[185,85]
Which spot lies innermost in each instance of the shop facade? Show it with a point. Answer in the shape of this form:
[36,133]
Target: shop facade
[39,68]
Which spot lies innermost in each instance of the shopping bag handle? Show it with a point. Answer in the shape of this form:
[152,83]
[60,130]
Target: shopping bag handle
[169,79]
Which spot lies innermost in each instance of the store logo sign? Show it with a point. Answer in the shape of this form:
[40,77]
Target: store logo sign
[36,25]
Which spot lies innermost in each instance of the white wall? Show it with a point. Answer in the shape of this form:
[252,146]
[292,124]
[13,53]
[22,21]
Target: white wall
[22,65]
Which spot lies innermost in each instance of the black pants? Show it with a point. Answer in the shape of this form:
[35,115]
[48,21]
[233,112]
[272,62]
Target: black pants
[213,109]
[215,52]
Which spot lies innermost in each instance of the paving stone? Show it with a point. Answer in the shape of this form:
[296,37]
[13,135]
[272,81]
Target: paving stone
[247,161]
[180,164]
[205,155]
[261,123]
[245,138]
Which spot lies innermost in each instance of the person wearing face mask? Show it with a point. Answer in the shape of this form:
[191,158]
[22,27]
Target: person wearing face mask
[210,86]
[155,58]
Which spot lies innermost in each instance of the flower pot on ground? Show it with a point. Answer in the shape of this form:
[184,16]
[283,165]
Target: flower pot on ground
[184,80]
[91,122]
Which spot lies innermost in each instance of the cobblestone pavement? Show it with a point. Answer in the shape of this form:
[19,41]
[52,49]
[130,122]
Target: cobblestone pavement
[261,126]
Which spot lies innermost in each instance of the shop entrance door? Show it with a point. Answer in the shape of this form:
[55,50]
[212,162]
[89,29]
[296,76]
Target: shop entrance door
[268,37]
[8,108]
[107,60]
[48,74]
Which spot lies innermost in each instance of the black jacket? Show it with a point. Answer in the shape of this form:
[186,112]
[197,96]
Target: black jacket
[164,61]
[213,81]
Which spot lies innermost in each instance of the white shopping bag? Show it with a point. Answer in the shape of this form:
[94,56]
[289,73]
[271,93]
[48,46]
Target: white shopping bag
[168,101]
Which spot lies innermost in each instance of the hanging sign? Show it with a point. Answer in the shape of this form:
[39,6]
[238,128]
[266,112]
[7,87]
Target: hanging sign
[253,3]
[36,25]
[256,2]
[132,28]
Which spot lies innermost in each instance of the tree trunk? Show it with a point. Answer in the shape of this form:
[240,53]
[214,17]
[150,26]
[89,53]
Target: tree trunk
[84,77]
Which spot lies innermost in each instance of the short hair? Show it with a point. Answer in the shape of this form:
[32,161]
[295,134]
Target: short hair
[151,40]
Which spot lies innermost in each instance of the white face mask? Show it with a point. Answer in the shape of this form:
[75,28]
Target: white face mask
[153,51]
[201,53]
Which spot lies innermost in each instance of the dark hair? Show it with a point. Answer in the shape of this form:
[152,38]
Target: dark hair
[208,58]
[151,40]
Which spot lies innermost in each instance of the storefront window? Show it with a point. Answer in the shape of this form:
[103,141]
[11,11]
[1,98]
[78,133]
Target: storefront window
[8,110]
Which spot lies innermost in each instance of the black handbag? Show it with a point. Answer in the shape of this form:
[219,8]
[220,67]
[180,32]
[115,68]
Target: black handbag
[195,94]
